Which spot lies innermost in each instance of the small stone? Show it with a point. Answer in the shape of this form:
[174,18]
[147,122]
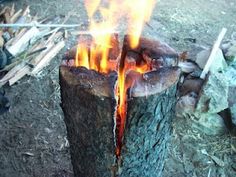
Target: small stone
[219,63]
[230,74]
[210,124]
[233,112]
[188,67]
[230,54]
[186,105]
[190,85]
[214,94]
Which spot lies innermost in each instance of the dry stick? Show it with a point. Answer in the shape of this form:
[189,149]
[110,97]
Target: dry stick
[18,60]
[213,53]
[48,57]
[20,74]
[12,9]
[16,16]
[14,25]
[28,25]
[11,74]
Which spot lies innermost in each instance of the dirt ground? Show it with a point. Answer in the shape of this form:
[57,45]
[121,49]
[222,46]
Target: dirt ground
[33,135]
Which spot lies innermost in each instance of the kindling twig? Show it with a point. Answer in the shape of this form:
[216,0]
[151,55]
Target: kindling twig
[213,53]
[28,25]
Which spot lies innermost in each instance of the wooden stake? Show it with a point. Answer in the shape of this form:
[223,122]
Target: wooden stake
[213,53]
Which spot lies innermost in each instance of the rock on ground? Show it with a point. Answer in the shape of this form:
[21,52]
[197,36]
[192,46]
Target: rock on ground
[214,94]
[219,63]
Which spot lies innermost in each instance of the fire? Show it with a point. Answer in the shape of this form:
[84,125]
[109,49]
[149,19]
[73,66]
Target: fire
[137,13]
[140,13]
[82,58]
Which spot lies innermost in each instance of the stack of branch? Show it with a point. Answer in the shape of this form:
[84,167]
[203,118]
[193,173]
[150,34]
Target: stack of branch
[26,51]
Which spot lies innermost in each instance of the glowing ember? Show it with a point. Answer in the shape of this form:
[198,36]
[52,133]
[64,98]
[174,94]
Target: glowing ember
[97,56]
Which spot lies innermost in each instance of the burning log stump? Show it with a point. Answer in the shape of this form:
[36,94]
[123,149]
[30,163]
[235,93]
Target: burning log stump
[89,105]
[150,109]
[148,125]
[102,141]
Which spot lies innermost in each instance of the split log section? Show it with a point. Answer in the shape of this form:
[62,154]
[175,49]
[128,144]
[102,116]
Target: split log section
[89,104]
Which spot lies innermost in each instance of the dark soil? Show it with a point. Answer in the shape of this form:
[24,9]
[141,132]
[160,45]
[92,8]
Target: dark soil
[33,136]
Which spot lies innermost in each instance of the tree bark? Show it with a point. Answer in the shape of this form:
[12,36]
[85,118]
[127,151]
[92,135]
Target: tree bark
[89,106]
[89,117]
[147,131]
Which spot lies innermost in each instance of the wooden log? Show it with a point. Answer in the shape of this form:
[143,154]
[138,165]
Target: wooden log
[89,104]
[150,108]
[150,111]
[152,49]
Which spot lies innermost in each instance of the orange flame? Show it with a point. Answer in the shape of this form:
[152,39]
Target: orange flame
[140,13]
[91,6]
[82,58]
[137,13]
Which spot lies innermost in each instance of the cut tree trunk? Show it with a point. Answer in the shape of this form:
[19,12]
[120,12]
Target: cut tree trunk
[89,107]
[148,126]
[150,108]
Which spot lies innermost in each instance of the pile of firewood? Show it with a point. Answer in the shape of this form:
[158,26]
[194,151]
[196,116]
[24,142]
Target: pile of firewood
[26,50]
